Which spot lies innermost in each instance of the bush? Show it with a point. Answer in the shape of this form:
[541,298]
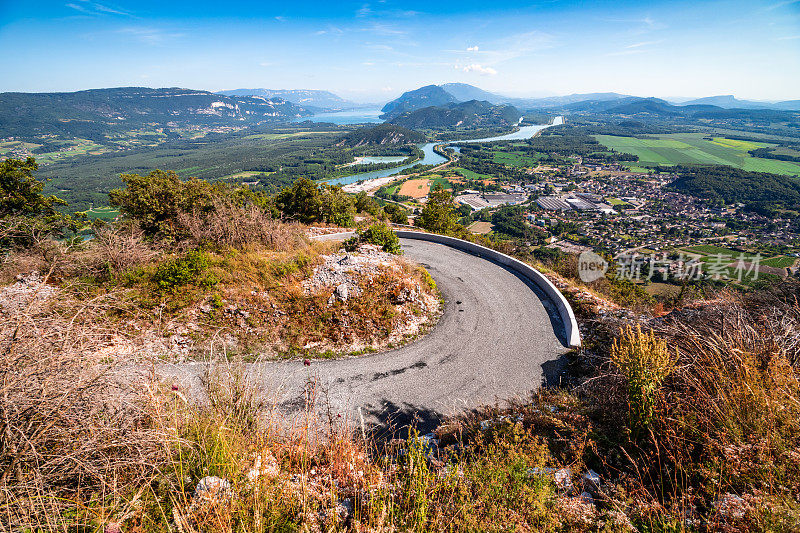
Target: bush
[377,234]
[308,203]
[396,214]
[191,269]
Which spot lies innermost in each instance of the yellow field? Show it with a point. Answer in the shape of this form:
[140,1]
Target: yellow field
[416,188]
[745,146]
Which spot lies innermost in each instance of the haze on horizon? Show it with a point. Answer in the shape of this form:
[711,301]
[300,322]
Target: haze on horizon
[374,50]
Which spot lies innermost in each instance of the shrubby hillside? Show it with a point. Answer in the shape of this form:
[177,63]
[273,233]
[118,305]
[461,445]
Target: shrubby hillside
[682,416]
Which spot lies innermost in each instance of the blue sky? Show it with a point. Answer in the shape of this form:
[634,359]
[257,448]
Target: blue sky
[373,50]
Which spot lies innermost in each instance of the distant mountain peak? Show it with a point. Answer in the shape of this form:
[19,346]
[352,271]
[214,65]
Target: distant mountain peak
[427,96]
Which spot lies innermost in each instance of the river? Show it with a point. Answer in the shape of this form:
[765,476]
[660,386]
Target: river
[432,158]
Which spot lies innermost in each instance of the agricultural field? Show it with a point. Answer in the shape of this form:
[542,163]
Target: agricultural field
[781,261]
[416,188]
[694,149]
[245,175]
[516,159]
[103,213]
[470,175]
[720,261]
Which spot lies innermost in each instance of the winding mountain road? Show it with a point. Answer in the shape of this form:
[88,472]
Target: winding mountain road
[498,337]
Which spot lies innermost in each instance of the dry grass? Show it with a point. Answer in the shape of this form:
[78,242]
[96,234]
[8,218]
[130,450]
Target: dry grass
[229,225]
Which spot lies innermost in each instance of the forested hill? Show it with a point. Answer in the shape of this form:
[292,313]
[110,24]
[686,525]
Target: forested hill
[383,134]
[430,95]
[758,190]
[94,112]
[460,115]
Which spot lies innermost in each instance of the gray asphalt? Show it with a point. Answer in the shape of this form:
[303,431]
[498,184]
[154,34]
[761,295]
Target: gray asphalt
[498,338]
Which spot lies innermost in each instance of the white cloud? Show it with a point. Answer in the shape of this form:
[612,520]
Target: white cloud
[472,49]
[480,69]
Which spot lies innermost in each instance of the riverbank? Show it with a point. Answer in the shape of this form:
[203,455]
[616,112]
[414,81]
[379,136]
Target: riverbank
[374,180]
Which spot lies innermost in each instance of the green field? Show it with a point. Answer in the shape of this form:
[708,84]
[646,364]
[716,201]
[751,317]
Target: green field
[714,259]
[779,262]
[103,213]
[444,182]
[470,175]
[616,201]
[694,149]
[516,159]
[708,249]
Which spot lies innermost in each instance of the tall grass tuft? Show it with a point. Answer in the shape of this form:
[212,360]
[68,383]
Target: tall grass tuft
[645,361]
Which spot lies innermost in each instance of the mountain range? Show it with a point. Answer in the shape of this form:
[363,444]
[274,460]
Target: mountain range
[95,112]
[731,102]
[462,92]
[309,99]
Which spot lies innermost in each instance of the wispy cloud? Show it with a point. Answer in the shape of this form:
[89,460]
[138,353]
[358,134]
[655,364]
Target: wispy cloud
[364,11]
[642,44]
[513,46]
[788,38]
[781,4]
[96,9]
[150,36]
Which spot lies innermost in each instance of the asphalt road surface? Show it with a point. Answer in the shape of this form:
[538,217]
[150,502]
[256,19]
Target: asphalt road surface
[498,338]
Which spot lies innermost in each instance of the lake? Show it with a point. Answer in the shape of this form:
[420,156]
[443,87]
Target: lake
[353,116]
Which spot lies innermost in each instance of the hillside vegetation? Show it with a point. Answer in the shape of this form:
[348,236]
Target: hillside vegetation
[678,420]
[381,135]
[472,114]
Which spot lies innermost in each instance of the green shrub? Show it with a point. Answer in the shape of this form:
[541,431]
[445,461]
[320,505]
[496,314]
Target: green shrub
[378,234]
[191,269]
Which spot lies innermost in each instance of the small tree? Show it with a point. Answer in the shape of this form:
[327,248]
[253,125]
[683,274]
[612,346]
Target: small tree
[439,214]
[26,213]
[157,200]
[305,202]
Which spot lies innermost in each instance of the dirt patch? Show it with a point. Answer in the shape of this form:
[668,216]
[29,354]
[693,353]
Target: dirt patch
[416,188]
[480,228]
